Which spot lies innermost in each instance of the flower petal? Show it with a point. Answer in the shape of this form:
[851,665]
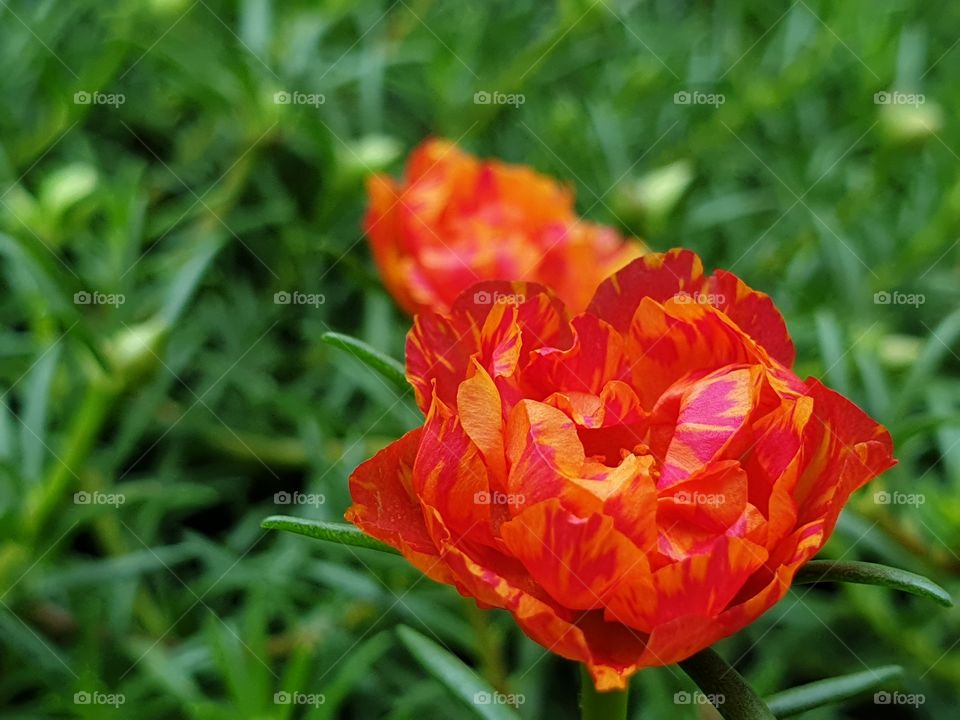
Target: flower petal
[846,448]
[698,585]
[481,414]
[498,322]
[671,341]
[678,274]
[710,413]
[385,507]
[450,476]
[594,358]
[611,651]
[753,311]
[658,276]
[576,560]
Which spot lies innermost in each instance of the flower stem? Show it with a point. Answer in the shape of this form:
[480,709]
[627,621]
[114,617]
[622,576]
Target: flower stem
[86,424]
[489,648]
[717,679]
[596,705]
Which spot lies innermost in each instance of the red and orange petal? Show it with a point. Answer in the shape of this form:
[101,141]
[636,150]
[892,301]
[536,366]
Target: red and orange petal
[678,275]
[668,342]
[500,323]
[578,561]
[847,449]
[593,251]
[521,196]
[595,356]
[707,415]
[384,505]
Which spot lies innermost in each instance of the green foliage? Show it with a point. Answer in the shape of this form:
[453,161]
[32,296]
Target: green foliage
[160,385]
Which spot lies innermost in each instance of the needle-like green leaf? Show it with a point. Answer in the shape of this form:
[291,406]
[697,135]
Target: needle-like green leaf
[389,368]
[832,690]
[342,533]
[866,573]
[456,676]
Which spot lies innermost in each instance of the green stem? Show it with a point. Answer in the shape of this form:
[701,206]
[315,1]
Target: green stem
[83,431]
[736,700]
[596,705]
[489,648]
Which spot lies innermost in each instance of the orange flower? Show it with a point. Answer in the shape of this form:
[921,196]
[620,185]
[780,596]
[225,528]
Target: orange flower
[633,484]
[455,220]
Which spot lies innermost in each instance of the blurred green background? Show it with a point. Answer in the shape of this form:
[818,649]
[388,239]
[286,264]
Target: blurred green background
[146,425]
